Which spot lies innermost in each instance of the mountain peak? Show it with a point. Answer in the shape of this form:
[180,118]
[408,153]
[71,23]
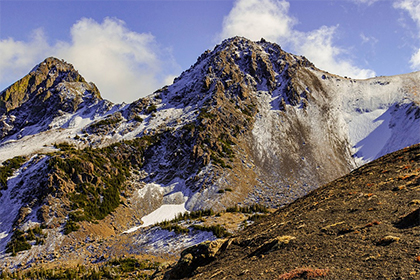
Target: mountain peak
[239,67]
[43,81]
[52,64]
[52,88]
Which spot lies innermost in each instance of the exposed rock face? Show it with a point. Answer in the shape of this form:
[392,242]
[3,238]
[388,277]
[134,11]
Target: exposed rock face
[196,256]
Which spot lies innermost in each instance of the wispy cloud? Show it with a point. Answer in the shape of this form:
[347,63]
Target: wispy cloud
[412,7]
[371,40]
[270,19]
[367,2]
[125,65]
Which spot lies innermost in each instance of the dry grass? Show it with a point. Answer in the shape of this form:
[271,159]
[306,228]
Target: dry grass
[306,273]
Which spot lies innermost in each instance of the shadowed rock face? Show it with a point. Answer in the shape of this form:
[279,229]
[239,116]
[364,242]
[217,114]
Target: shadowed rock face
[364,225]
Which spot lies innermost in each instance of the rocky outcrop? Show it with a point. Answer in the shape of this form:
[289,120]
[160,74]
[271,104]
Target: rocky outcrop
[196,256]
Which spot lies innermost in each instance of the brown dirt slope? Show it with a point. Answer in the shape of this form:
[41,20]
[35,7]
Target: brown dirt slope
[365,225]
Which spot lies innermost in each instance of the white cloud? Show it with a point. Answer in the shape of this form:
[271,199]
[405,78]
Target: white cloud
[125,65]
[415,60]
[367,2]
[413,9]
[255,19]
[18,57]
[365,39]
[270,19]
[318,47]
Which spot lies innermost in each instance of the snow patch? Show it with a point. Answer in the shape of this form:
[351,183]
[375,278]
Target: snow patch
[158,241]
[12,199]
[370,131]
[166,212]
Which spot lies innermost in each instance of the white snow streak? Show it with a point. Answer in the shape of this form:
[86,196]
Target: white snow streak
[166,212]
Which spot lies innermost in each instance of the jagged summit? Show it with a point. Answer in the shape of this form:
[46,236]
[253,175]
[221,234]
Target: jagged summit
[52,88]
[240,50]
[239,66]
[42,81]
[53,64]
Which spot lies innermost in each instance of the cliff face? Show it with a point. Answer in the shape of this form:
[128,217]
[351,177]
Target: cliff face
[247,123]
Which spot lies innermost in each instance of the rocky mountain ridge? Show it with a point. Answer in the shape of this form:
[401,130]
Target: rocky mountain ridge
[247,124]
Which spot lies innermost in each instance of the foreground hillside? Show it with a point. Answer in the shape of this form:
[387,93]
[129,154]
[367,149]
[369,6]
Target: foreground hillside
[365,225]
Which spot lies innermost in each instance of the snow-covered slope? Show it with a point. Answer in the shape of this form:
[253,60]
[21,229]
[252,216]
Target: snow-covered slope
[381,115]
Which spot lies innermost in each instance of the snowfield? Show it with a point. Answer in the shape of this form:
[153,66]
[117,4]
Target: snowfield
[372,110]
[165,212]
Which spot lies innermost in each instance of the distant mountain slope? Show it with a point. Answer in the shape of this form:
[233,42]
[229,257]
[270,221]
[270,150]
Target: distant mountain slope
[364,225]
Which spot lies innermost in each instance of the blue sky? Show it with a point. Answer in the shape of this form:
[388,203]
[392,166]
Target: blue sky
[131,48]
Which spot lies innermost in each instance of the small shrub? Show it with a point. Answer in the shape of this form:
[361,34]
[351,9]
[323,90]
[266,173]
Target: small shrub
[205,115]
[256,217]
[138,119]
[218,230]
[132,264]
[174,227]
[255,208]
[109,121]
[9,166]
[18,243]
[64,146]
[192,215]
[218,160]
[152,108]
[70,227]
